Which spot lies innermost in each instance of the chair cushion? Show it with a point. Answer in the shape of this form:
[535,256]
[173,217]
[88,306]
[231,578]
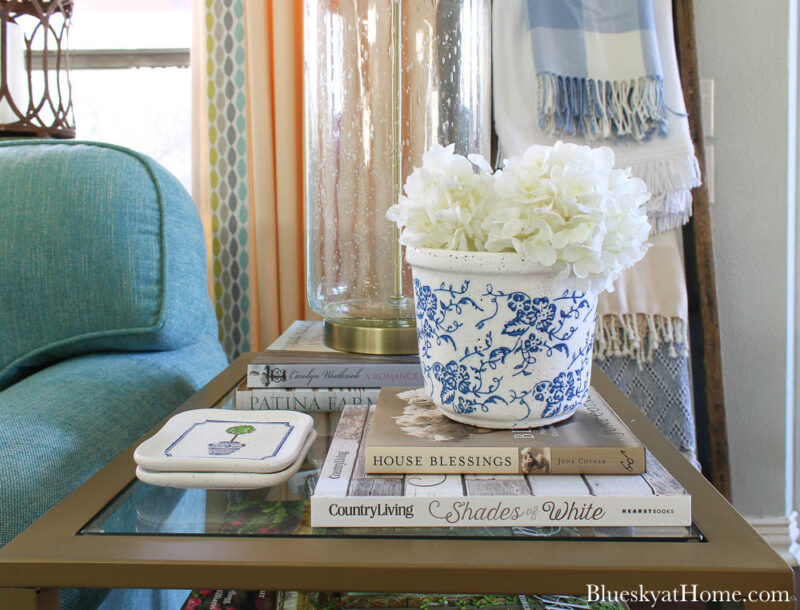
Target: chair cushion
[102,249]
[62,424]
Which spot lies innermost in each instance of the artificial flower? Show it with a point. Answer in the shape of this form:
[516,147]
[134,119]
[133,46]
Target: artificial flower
[563,206]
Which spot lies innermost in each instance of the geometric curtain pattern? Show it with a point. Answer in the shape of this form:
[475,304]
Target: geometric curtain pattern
[662,389]
[228,159]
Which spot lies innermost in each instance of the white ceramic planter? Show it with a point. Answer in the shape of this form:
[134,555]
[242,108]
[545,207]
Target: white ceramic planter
[503,344]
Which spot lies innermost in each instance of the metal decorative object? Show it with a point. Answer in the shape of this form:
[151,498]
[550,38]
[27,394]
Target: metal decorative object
[384,80]
[35,103]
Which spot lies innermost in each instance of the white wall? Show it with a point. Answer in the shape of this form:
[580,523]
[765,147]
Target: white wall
[744,46]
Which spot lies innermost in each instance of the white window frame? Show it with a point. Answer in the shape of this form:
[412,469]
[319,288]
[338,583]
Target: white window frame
[117,59]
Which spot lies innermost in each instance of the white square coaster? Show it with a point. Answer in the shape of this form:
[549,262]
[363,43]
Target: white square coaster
[220,440]
[225,480]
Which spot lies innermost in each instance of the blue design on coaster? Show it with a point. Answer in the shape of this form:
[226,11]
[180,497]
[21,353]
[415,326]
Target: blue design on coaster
[264,440]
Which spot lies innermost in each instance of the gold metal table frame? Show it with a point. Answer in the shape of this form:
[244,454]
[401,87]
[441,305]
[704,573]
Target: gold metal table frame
[52,553]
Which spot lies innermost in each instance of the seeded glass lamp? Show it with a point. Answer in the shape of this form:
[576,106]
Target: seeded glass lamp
[35,92]
[384,80]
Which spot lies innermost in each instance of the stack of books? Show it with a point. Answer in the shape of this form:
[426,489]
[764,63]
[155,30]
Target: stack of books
[299,373]
[402,463]
[396,461]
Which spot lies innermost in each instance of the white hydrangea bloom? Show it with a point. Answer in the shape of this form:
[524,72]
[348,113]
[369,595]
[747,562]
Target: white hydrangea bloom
[561,206]
[567,205]
[446,202]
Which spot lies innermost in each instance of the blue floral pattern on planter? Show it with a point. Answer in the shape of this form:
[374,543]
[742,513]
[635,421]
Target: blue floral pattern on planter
[521,330]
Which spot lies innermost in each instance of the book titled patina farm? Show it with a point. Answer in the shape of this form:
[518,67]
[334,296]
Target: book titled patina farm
[310,400]
[409,435]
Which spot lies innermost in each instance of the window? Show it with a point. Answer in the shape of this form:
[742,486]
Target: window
[131,82]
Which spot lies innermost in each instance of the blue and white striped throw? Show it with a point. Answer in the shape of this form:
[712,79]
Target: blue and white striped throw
[598,66]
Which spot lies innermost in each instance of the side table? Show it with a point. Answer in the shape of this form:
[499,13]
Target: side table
[115,531]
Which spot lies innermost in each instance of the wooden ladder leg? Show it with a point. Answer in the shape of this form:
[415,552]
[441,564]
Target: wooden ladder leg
[717,468]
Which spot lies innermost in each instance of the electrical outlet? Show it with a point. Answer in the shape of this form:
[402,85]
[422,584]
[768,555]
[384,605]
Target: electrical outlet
[707,106]
[709,177]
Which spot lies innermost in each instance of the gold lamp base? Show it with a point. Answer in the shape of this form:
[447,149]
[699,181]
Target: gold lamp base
[379,340]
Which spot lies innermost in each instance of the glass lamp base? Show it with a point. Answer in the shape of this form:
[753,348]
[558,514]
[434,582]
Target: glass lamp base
[379,340]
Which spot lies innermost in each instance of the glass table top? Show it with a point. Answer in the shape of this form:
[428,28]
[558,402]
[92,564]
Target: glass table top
[284,511]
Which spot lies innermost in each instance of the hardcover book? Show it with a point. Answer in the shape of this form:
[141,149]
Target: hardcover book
[346,496]
[300,359]
[309,400]
[310,369]
[304,336]
[230,599]
[410,435]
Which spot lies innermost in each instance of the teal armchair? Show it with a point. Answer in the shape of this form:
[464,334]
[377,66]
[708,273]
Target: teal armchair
[105,320]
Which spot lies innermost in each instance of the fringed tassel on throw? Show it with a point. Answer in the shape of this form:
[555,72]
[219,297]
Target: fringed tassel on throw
[670,202]
[668,211]
[666,175]
[638,336]
[661,223]
[597,109]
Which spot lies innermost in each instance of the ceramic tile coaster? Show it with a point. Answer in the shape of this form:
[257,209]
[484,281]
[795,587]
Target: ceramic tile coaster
[219,440]
[225,480]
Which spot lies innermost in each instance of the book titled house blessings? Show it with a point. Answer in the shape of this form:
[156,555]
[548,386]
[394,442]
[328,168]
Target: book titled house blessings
[409,434]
